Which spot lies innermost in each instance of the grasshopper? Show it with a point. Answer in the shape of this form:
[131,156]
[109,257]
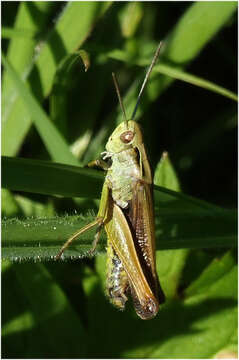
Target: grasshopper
[126,213]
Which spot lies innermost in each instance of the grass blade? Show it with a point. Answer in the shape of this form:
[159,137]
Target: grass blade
[54,142]
[70,32]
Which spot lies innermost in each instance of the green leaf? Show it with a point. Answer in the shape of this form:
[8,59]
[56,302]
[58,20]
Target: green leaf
[196,27]
[211,274]
[130,18]
[176,74]
[182,221]
[54,142]
[198,326]
[62,85]
[9,205]
[17,319]
[45,177]
[195,80]
[24,31]
[41,238]
[33,208]
[8,33]
[59,179]
[170,263]
[165,175]
[48,308]
[71,29]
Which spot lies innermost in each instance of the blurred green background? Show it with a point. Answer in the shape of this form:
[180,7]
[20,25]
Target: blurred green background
[59,310]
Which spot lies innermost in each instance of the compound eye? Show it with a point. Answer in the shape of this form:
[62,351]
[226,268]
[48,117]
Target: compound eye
[127,136]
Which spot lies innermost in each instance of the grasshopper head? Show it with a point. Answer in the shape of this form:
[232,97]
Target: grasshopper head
[127,135]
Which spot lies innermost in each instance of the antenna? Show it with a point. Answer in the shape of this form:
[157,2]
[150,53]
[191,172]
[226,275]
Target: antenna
[119,96]
[147,76]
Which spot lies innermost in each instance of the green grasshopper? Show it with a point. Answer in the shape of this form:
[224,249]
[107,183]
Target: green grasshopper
[126,213]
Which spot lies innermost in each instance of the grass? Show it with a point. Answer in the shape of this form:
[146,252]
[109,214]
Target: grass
[56,117]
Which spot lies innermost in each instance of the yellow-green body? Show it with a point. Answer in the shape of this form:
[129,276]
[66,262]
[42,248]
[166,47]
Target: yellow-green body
[127,184]
[126,213]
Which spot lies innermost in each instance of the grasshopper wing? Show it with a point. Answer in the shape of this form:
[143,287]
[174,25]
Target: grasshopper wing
[121,238]
[141,216]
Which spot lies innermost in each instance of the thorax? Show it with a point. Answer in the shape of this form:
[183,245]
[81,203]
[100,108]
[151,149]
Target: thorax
[122,175]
